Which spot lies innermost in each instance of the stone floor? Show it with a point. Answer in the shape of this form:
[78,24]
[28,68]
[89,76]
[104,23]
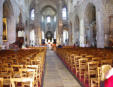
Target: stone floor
[56,74]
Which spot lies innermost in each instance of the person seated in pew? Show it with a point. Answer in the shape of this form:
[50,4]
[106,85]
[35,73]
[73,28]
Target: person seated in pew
[59,46]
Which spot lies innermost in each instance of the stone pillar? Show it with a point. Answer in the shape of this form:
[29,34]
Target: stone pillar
[37,23]
[27,33]
[74,34]
[57,36]
[100,30]
[82,33]
[1,16]
[70,34]
[60,28]
[11,28]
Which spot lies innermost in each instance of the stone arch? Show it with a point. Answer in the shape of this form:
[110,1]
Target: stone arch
[48,6]
[49,35]
[32,7]
[7,9]
[90,25]
[49,3]
[90,13]
[48,12]
[8,13]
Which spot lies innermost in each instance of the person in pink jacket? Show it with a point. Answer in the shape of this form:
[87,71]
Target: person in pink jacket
[109,79]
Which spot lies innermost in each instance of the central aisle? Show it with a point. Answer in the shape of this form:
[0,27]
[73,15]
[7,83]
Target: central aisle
[56,74]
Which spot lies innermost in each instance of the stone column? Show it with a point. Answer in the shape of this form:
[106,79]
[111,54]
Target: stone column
[37,23]
[75,34]
[11,28]
[60,28]
[100,30]
[82,33]
[1,16]
[27,32]
[70,34]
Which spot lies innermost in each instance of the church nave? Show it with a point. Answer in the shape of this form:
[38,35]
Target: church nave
[75,37]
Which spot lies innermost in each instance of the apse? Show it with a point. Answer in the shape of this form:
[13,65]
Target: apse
[48,22]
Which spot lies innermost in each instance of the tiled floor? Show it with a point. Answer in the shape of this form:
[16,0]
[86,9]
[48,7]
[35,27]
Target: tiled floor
[56,75]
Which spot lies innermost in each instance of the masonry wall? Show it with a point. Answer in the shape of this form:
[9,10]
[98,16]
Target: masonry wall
[17,6]
[108,11]
[102,25]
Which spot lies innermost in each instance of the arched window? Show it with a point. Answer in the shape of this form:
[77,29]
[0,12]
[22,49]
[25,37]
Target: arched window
[43,36]
[32,14]
[32,37]
[48,19]
[42,19]
[65,36]
[64,13]
[54,18]
[55,35]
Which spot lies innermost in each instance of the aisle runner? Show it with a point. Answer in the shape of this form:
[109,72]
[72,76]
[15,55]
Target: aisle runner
[56,75]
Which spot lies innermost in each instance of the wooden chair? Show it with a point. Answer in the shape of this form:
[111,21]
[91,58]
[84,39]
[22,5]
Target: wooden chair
[23,80]
[95,82]
[72,61]
[89,57]
[12,64]
[82,66]
[96,59]
[106,61]
[16,73]
[27,78]
[92,70]
[37,72]
[1,82]
[6,78]
[77,64]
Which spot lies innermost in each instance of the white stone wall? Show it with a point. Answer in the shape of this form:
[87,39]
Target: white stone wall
[79,10]
[1,15]
[104,9]
[17,6]
[108,11]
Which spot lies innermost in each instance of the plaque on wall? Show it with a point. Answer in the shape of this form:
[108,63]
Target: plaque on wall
[4,35]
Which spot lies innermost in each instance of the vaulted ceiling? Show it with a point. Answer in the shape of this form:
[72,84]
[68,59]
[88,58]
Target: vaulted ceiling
[43,3]
[49,11]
